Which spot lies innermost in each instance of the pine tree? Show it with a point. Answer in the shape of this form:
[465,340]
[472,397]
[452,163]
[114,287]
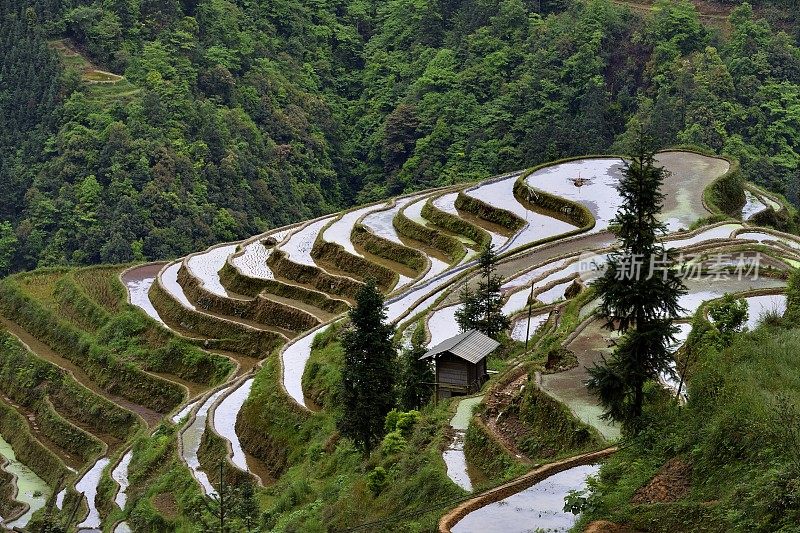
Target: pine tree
[368,376]
[417,375]
[483,309]
[640,291]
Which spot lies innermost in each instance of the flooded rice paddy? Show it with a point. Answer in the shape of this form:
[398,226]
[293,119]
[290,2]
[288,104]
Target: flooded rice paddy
[537,508]
[31,489]
[206,267]
[453,456]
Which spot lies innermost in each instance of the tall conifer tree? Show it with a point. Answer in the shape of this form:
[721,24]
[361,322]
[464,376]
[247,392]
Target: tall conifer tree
[483,309]
[640,291]
[368,375]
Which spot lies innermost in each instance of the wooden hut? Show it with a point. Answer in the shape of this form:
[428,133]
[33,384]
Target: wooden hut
[461,363]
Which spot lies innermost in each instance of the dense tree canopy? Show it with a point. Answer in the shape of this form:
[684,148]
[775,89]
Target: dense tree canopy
[234,117]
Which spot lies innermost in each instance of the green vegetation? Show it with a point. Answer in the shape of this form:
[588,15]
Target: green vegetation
[447,245]
[236,282]
[737,433]
[217,120]
[336,286]
[416,376]
[480,209]
[457,225]
[389,250]
[324,480]
[330,254]
[99,358]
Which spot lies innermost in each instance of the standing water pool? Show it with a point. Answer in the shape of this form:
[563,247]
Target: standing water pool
[537,508]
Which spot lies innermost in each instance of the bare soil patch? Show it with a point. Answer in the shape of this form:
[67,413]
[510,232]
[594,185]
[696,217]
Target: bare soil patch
[670,484]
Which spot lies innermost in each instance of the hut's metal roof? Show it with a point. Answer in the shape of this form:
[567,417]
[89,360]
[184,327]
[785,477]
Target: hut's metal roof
[471,346]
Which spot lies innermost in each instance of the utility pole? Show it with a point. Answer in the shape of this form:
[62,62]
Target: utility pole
[221,498]
[530,310]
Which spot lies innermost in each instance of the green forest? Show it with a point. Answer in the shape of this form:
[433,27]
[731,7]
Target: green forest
[237,116]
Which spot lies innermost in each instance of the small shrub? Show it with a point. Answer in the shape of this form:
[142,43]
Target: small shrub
[377,480]
[406,422]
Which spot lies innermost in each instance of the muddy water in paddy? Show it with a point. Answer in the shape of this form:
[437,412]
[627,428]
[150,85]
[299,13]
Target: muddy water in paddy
[339,232]
[594,341]
[760,306]
[520,326]
[723,231]
[293,361]
[442,325]
[88,486]
[184,412]
[138,282]
[224,422]
[381,222]
[45,352]
[252,262]
[555,293]
[764,237]
[509,269]
[120,475]
[31,488]
[429,291]
[690,174]
[537,508]
[191,438]
[453,456]
[752,205]
[709,289]
[169,279]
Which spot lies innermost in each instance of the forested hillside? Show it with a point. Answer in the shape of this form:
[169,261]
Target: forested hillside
[238,116]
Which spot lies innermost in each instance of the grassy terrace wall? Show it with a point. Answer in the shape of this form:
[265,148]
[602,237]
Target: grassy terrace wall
[156,469]
[65,434]
[213,451]
[223,334]
[98,361]
[487,455]
[9,507]
[26,378]
[271,426]
[28,450]
[156,348]
[386,249]
[487,212]
[258,309]
[457,225]
[235,281]
[553,431]
[448,245]
[313,276]
[334,255]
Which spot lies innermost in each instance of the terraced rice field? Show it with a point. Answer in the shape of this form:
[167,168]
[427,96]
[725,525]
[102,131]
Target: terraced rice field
[183,348]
